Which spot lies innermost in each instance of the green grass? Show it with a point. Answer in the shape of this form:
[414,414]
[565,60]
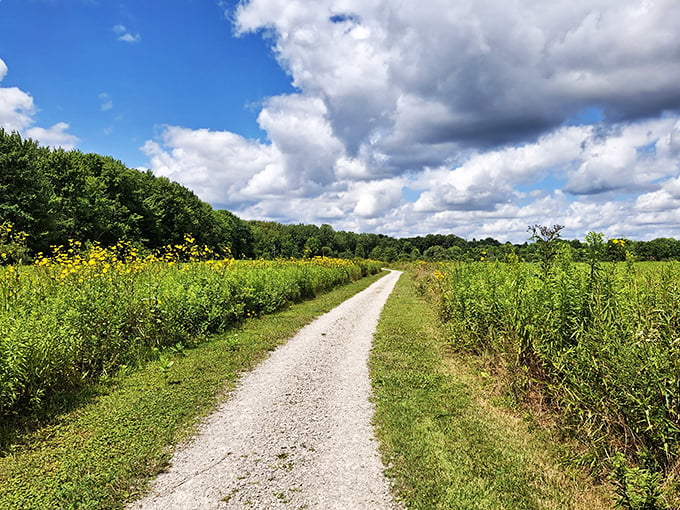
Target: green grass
[597,343]
[103,453]
[446,445]
[67,321]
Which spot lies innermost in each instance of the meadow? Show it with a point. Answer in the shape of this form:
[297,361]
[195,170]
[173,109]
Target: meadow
[79,314]
[593,345]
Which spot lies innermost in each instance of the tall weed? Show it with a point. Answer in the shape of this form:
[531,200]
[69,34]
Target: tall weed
[79,315]
[599,341]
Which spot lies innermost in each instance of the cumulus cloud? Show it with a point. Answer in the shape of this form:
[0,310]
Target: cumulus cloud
[126,35]
[16,106]
[625,160]
[298,128]
[16,114]
[55,136]
[473,73]
[488,179]
[217,165]
[470,102]
[374,199]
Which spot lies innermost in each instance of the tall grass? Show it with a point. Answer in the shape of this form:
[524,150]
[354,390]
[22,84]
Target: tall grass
[599,342]
[76,315]
[446,445]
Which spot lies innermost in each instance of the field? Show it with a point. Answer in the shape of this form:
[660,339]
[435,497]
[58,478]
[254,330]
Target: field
[104,449]
[80,315]
[448,441]
[594,345]
[591,349]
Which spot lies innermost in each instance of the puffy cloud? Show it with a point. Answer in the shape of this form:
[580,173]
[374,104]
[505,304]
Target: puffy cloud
[474,73]
[125,35]
[16,114]
[626,159]
[492,194]
[16,106]
[217,165]
[488,179]
[658,204]
[469,103]
[55,136]
[298,128]
[227,169]
[374,199]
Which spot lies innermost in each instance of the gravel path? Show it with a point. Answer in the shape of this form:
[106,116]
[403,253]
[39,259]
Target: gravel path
[297,432]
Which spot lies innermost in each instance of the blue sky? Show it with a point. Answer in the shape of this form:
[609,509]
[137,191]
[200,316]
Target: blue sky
[116,71]
[473,117]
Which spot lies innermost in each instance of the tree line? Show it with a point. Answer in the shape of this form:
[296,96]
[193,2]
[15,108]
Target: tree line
[277,240]
[55,195]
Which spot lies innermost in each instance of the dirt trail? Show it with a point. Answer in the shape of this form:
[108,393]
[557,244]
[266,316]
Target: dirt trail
[297,432]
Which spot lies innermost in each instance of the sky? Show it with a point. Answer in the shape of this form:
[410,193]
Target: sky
[469,117]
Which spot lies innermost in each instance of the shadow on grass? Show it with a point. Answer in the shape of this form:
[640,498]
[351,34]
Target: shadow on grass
[16,429]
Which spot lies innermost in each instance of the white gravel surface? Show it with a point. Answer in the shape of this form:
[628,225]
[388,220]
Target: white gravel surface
[296,433]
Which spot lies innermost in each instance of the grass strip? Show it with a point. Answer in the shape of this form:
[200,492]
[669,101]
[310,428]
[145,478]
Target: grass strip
[446,446]
[103,454]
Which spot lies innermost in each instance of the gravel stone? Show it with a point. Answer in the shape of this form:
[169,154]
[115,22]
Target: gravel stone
[296,432]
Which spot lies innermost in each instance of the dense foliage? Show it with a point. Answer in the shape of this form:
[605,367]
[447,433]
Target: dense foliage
[596,341]
[55,195]
[277,240]
[77,315]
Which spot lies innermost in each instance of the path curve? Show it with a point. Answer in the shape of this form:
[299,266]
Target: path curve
[296,432]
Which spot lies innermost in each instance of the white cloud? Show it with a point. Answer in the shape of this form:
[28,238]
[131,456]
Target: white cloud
[106,101]
[55,136]
[471,72]
[216,165]
[297,127]
[16,114]
[489,179]
[351,168]
[129,38]
[374,199]
[627,159]
[467,102]
[16,106]
[125,35]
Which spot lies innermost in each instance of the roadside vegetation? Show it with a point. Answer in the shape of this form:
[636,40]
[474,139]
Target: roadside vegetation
[104,441]
[79,315]
[592,345]
[446,444]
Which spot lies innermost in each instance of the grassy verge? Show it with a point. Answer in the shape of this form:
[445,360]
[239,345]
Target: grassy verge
[594,344]
[446,445]
[102,454]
